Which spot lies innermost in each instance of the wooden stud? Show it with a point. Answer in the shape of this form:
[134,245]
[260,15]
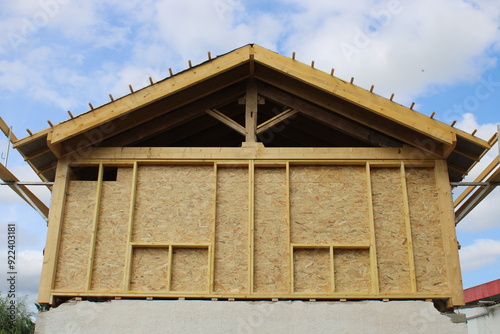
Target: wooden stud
[406,206]
[118,298]
[130,229]
[93,237]
[149,298]
[433,114]
[151,81]
[293,55]
[352,80]
[211,265]
[56,215]
[70,114]
[50,123]
[78,299]
[230,299]
[385,300]
[91,106]
[190,64]
[274,300]
[251,223]
[312,300]
[412,105]
[209,56]
[332,270]
[312,64]
[343,299]
[450,245]
[474,132]
[289,230]
[373,244]
[251,109]
[170,71]
[332,72]
[214,299]
[453,123]
[182,298]
[392,96]
[371,88]
[29,132]
[131,88]
[169,269]
[111,98]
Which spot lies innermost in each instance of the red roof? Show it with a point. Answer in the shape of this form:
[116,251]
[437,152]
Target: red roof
[482,291]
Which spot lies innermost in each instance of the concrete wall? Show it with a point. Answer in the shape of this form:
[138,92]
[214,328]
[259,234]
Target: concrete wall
[235,317]
[483,320]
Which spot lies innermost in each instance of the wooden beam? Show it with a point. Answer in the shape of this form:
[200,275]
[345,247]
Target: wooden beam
[409,237]
[24,192]
[494,163]
[151,94]
[341,124]
[450,244]
[373,244]
[380,154]
[263,127]
[52,243]
[226,120]
[130,230]
[168,117]
[251,108]
[7,131]
[95,223]
[354,94]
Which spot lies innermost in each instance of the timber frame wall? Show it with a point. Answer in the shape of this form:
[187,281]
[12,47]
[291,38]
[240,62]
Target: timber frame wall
[234,223]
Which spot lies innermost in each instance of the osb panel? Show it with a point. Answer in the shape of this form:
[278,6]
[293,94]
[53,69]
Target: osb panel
[76,233]
[390,230]
[189,269]
[149,269]
[111,238]
[430,266]
[270,231]
[329,204]
[311,270]
[74,248]
[174,204]
[352,270]
[231,237]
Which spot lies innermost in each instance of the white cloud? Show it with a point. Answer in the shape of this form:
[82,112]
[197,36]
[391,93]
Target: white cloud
[482,253]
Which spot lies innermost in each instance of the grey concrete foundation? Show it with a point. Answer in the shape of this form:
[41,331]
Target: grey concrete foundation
[238,317]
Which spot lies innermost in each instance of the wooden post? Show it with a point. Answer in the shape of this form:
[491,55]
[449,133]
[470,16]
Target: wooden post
[251,107]
[56,214]
[93,237]
[373,245]
[289,228]
[450,245]
[251,216]
[129,250]
[211,265]
[411,257]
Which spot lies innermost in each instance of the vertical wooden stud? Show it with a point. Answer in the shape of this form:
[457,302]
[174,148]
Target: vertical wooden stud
[56,214]
[169,270]
[332,269]
[450,245]
[211,265]
[129,251]
[373,245]
[93,237]
[411,257]
[289,227]
[251,111]
[251,216]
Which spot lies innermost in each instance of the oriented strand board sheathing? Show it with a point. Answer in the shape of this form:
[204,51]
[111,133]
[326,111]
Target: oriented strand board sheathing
[149,269]
[352,270]
[72,264]
[174,204]
[390,230]
[271,231]
[189,269]
[329,204]
[111,238]
[231,231]
[430,266]
[311,270]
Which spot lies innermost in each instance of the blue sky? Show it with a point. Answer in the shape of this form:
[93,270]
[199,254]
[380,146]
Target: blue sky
[58,55]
